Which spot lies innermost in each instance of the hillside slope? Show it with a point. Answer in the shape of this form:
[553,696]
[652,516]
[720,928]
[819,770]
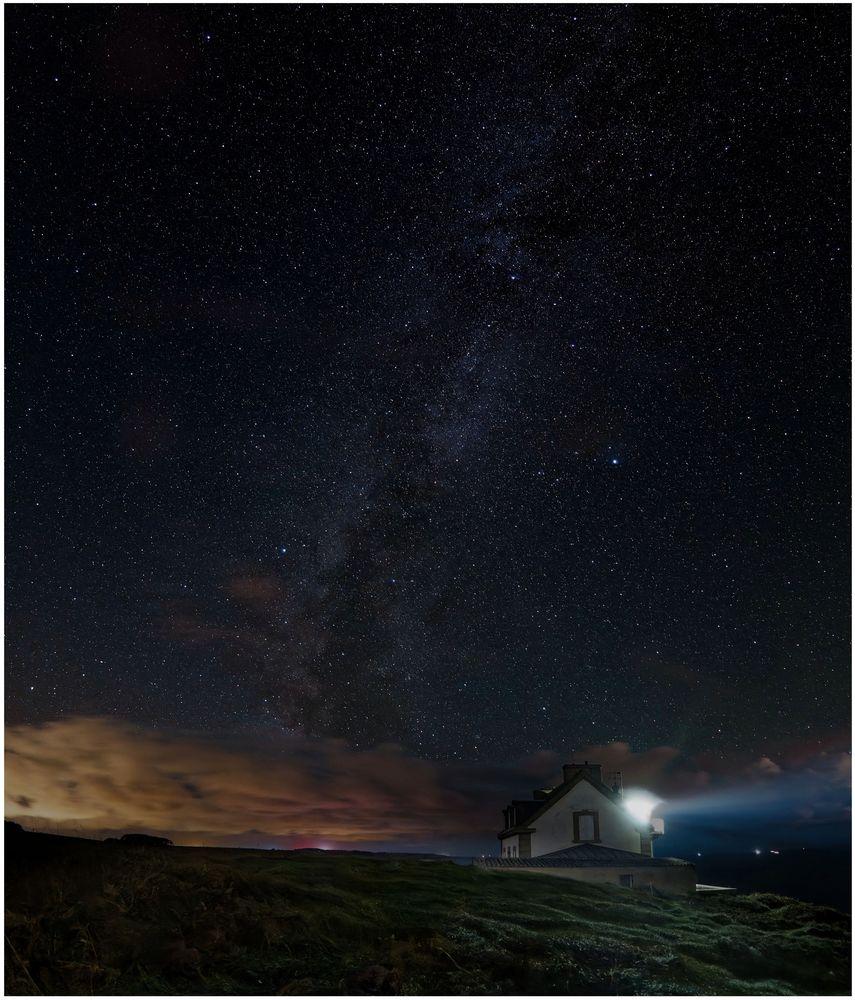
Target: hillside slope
[87,917]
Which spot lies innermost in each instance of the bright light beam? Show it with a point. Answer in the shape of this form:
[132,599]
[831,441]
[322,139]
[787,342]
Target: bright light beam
[640,805]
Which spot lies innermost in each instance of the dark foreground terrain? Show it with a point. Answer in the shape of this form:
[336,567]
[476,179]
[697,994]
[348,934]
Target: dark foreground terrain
[87,917]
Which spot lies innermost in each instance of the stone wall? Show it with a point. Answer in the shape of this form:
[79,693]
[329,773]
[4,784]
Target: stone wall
[677,880]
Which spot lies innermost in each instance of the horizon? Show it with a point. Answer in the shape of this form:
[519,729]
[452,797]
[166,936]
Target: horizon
[427,806]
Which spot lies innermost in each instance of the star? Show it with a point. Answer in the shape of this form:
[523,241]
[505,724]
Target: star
[409,347]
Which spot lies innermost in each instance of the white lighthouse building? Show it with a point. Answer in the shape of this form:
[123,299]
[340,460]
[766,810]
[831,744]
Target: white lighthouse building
[583,829]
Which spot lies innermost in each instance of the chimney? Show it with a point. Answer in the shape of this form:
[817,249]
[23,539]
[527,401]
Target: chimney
[592,771]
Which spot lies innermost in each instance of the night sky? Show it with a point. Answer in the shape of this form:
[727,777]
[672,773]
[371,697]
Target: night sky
[473,380]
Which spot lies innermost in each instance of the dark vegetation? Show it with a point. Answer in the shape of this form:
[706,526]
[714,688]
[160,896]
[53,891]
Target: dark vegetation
[86,917]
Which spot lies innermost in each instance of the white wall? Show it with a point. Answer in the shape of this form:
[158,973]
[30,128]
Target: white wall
[507,844]
[554,830]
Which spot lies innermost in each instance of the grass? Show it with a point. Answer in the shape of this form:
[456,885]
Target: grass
[89,918]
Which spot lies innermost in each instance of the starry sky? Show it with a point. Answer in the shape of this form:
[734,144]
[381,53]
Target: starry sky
[472,382]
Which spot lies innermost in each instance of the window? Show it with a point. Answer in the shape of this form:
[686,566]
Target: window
[625,881]
[586,826]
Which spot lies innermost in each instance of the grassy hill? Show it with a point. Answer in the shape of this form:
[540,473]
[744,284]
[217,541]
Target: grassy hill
[86,917]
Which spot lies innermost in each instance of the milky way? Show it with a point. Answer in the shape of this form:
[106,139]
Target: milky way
[473,379]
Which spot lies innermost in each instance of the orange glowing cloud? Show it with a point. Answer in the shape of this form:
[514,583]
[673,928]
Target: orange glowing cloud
[100,775]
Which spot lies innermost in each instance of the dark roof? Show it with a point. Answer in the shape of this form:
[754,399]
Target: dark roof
[515,831]
[585,856]
[525,808]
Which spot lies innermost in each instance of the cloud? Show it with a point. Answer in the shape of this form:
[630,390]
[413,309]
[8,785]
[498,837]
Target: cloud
[104,776]
[101,775]
[763,768]
[781,795]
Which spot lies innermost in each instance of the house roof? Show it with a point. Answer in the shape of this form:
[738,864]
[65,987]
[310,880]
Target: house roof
[543,804]
[586,856]
[514,831]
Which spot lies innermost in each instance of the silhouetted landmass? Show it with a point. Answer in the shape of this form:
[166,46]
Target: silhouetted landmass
[144,840]
[87,917]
